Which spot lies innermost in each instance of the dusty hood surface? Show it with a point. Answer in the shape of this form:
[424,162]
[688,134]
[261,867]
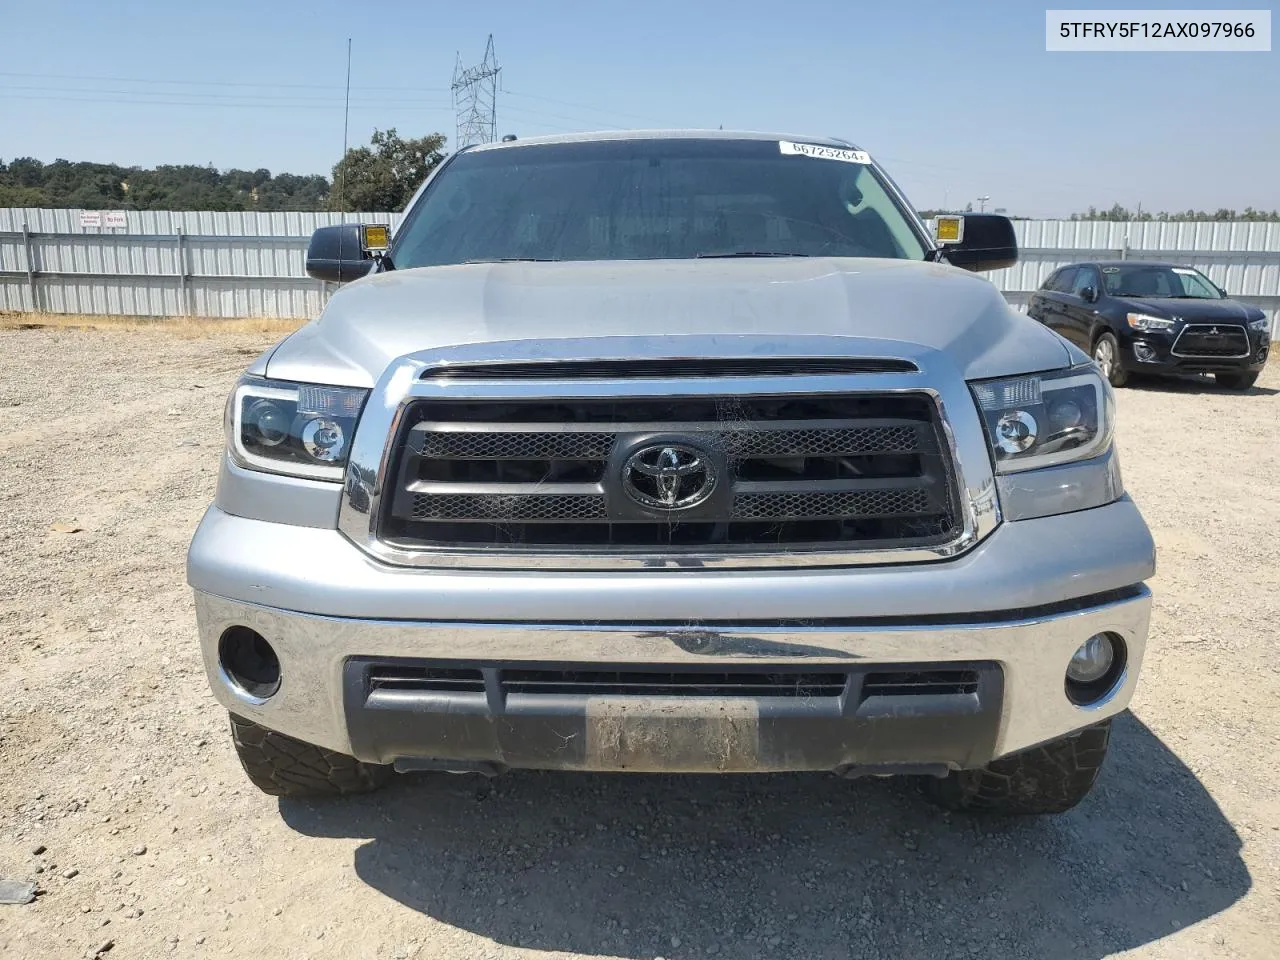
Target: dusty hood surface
[896,307]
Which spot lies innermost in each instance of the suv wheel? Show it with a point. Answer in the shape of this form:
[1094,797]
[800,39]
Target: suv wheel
[1236,381]
[285,767]
[1106,354]
[1050,778]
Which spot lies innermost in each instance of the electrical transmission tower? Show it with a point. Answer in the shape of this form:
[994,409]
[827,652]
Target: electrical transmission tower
[475,99]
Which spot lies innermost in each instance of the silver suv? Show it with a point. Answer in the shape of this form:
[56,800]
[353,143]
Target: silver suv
[672,452]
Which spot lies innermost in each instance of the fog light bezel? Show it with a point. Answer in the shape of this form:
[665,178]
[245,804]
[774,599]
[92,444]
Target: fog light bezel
[1094,693]
[1152,356]
[249,664]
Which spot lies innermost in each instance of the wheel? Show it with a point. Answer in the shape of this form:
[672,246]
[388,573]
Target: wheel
[1106,354]
[1050,778]
[285,767]
[1236,381]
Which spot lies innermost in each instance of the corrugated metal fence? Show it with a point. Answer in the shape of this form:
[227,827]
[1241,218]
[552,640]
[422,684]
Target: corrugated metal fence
[163,264]
[251,264]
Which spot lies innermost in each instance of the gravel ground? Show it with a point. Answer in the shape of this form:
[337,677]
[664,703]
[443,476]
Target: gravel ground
[121,797]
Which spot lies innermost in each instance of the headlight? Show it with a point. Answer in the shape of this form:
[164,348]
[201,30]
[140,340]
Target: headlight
[1146,322]
[1261,325]
[1047,418]
[293,428]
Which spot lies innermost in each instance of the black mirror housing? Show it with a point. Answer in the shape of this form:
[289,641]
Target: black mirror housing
[337,254]
[987,242]
[1089,295]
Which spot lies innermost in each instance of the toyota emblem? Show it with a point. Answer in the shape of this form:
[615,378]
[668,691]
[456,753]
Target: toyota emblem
[669,476]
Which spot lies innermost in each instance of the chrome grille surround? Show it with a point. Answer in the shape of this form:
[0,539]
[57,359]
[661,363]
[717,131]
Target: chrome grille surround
[1234,339]
[409,380]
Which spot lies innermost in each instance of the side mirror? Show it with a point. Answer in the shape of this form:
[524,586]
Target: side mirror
[978,241]
[1089,295]
[338,253]
[1223,291]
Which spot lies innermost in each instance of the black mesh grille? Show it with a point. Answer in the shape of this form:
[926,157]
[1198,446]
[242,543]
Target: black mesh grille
[517,446]
[860,503]
[1212,340]
[819,443]
[869,470]
[499,508]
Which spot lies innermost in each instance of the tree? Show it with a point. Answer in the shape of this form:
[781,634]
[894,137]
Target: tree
[26,182]
[384,178]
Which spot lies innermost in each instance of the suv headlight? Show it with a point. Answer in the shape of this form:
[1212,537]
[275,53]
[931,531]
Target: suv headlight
[1046,418]
[299,429]
[1261,325]
[1146,322]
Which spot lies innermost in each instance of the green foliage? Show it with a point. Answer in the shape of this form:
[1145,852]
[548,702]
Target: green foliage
[384,178]
[26,182]
[1119,213]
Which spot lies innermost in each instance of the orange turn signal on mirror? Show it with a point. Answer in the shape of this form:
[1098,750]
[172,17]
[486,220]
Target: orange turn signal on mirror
[949,229]
[375,236]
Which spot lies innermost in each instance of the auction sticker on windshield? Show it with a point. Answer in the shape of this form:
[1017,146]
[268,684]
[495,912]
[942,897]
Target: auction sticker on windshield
[824,153]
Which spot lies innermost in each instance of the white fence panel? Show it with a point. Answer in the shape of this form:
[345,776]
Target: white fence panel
[235,264]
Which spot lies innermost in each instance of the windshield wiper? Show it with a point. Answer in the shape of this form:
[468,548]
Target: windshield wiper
[748,253]
[514,260]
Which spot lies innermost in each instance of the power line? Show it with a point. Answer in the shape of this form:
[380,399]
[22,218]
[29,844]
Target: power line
[279,97]
[581,106]
[281,105]
[475,99]
[203,83]
[591,124]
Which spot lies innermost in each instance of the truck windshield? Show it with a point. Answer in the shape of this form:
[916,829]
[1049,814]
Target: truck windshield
[653,199]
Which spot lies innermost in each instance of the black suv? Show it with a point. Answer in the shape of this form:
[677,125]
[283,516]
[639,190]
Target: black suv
[1137,317]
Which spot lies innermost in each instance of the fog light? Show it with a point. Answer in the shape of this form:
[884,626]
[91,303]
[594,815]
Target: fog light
[1144,352]
[1095,670]
[1092,661]
[249,662]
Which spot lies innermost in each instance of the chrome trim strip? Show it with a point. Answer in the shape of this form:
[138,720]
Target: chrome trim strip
[1213,356]
[403,383]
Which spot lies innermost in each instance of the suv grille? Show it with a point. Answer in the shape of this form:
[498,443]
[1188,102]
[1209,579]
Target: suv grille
[860,471]
[1212,340]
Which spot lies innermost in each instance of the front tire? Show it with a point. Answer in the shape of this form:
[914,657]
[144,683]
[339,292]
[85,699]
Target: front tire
[1106,354]
[1050,778]
[284,767]
[1236,381]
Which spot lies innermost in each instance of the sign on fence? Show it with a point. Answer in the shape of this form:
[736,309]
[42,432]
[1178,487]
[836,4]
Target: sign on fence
[90,218]
[114,218]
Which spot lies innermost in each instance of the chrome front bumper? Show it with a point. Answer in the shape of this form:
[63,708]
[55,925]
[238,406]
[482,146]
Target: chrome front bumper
[321,602]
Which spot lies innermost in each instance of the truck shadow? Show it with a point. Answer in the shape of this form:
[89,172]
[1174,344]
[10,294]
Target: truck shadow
[780,866]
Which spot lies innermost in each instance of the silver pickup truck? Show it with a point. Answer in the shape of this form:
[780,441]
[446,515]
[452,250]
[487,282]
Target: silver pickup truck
[680,452]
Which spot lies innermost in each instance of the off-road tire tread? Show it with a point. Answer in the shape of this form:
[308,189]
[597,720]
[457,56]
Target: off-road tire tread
[1050,778]
[1235,381]
[284,767]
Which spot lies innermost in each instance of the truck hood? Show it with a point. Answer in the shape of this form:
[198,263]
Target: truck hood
[894,308]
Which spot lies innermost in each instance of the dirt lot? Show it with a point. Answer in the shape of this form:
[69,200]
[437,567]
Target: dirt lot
[121,797]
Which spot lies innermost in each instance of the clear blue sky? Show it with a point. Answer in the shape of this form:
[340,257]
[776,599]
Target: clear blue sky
[957,99]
